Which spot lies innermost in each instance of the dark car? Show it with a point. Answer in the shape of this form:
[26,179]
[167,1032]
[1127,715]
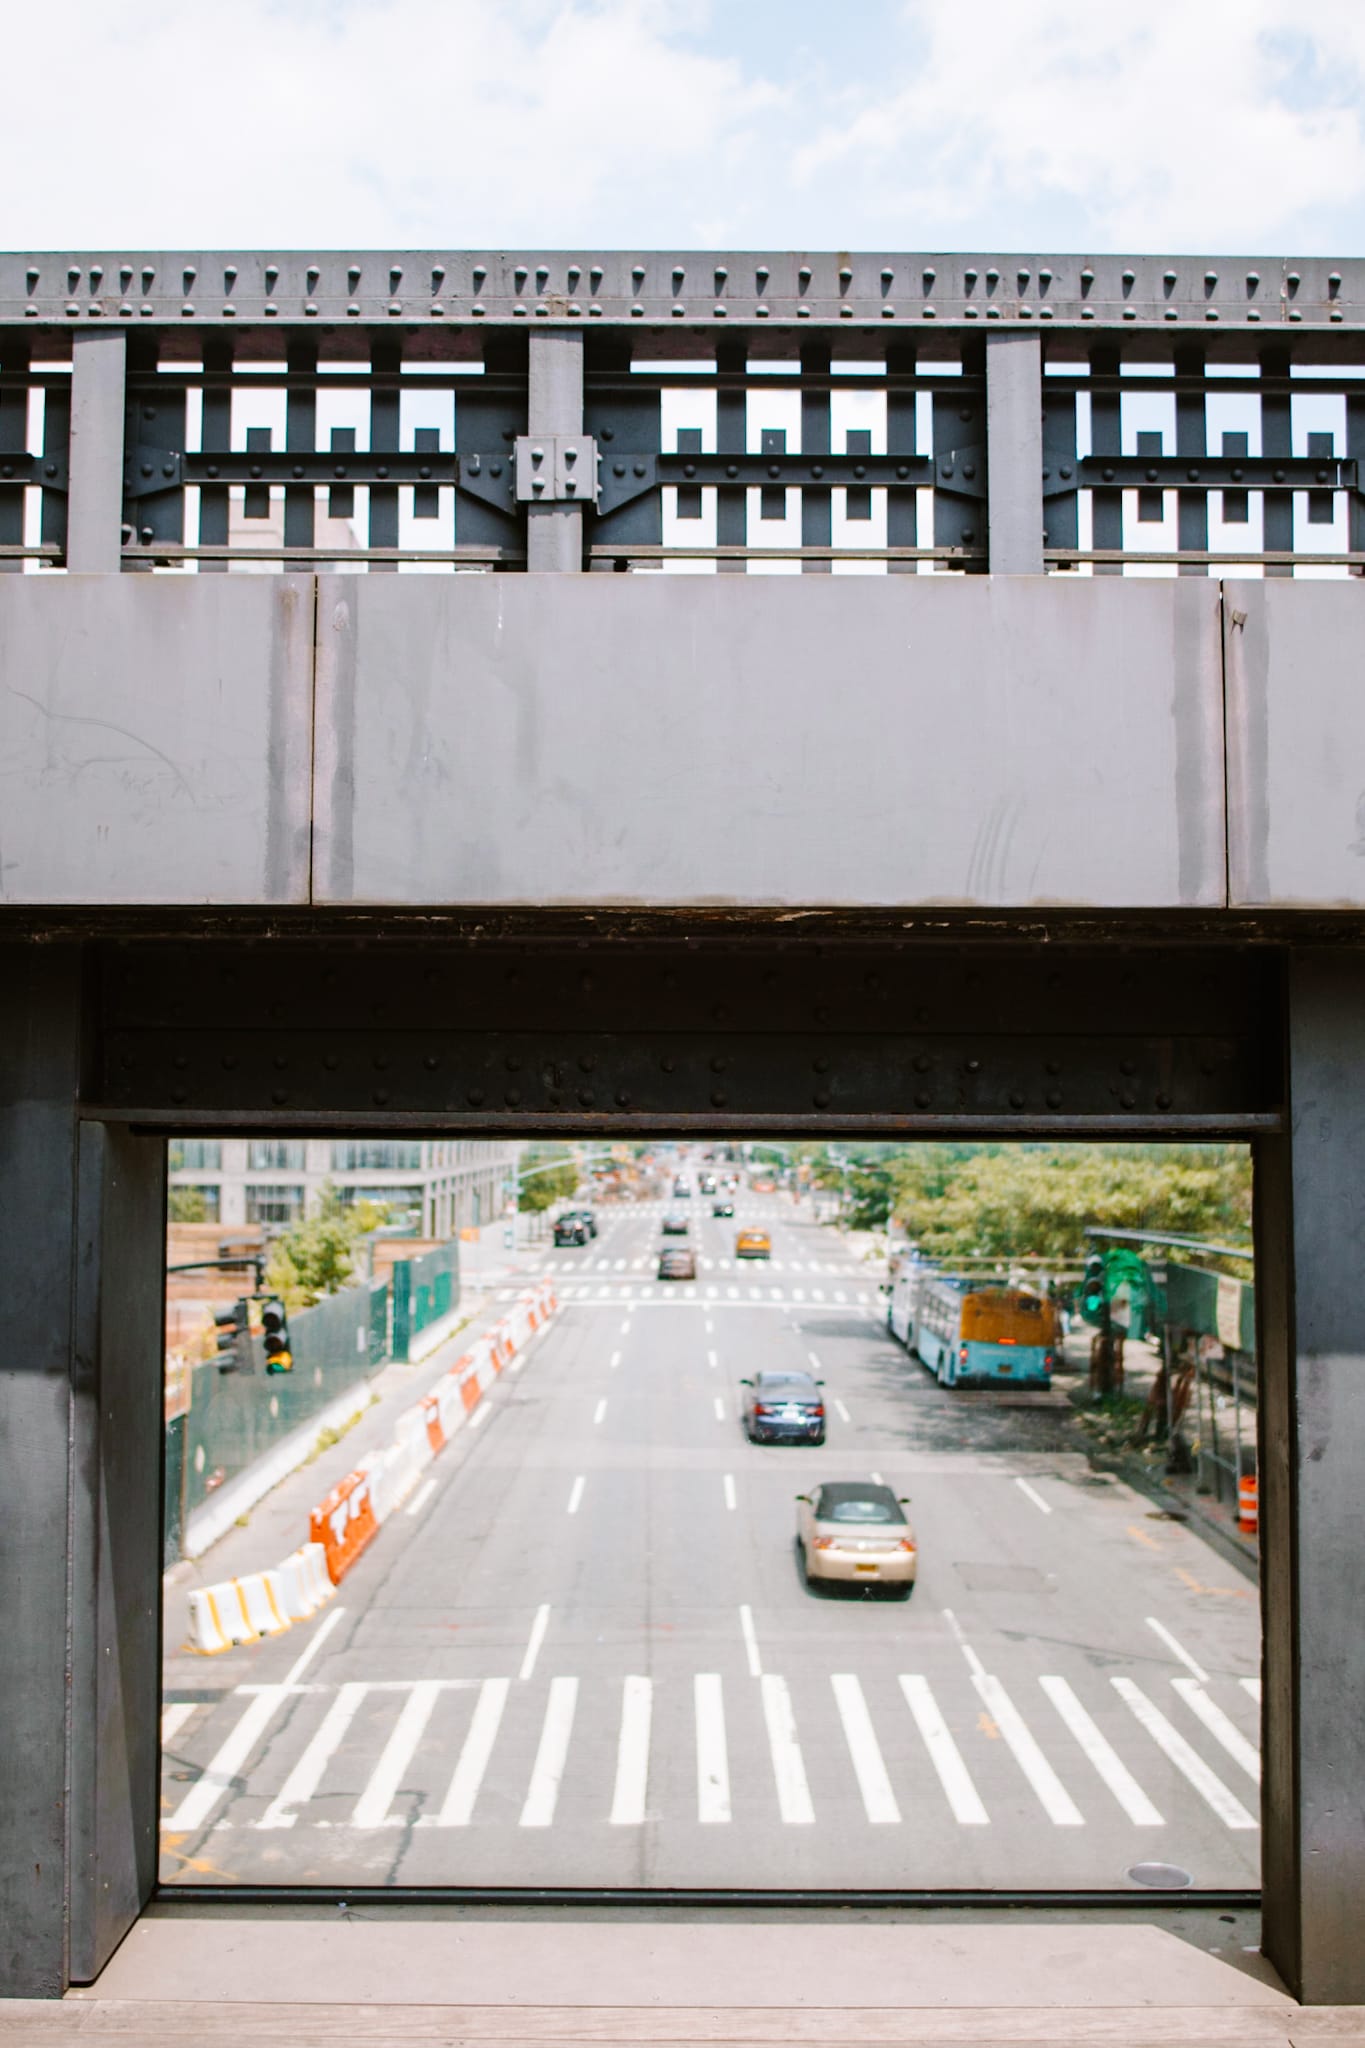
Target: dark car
[784,1407]
[677,1265]
[675,1225]
[570,1229]
[587,1218]
[724,1207]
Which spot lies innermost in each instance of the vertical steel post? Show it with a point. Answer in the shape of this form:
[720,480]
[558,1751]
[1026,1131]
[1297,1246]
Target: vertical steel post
[731,439]
[902,507]
[94,521]
[554,533]
[817,513]
[1106,438]
[1014,462]
[1310,1241]
[1191,438]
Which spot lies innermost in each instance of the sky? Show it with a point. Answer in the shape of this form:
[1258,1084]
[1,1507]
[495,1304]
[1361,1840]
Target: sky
[1212,126]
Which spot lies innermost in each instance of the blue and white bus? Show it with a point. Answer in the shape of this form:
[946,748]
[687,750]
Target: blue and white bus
[998,1336]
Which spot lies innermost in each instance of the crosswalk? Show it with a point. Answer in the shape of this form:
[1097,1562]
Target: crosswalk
[585,1263]
[750,1290]
[632,1750]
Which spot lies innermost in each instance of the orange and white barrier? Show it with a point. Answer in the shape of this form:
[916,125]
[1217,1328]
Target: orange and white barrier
[343,1525]
[1248,1505]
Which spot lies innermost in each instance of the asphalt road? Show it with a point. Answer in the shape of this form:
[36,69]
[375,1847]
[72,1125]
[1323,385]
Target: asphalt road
[584,1653]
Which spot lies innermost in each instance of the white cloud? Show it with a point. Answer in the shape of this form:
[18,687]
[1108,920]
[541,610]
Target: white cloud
[1183,123]
[1043,124]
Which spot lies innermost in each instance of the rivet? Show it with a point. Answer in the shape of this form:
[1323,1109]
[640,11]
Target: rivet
[474,1097]
[821,1100]
[1053,1098]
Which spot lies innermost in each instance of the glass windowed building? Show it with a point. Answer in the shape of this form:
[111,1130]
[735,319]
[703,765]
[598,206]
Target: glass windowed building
[437,1188]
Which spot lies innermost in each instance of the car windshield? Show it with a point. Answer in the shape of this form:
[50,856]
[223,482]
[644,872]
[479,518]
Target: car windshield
[865,1505]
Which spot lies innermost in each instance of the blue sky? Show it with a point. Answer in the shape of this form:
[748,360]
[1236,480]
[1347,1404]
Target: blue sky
[1219,126]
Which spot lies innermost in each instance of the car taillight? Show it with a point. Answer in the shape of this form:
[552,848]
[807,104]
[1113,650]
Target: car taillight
[818,1413]
[1047,1362]
[759,1409]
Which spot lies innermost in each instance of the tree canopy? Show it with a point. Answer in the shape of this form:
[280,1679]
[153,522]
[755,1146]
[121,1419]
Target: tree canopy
[558,1180]
[997,1200]
[316,1256]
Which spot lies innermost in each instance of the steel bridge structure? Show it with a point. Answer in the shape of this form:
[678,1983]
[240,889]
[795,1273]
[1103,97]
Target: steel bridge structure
[585,692]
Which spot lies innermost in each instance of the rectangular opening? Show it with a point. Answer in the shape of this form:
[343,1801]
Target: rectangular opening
[504,1577]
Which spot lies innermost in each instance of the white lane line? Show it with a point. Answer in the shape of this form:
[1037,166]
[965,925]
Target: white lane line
[746,1623]
[576,1494]
[1114,1772]
[534,1641]
[458,1808]
[620,1266]
[199,1802]
[625,1327]
[839,1294]
[720,1409]
[1210,1787]
[552,1754]
[632,1754]
[793,1793]
[713,1762]
[877,1479]
[817,1294]
[421,1497]
[1251,1686]
[711,1358]
[303,1781]
[599,1411]
[1219,1726]
[1057,1803]
[844,1415]
[173,1719]
[372,1807]
[944,1754]
[300,1664]
[815,1365]
[1158,1628]
[879,1801]
[974,1663]
[1031,1492]
[729,1485]
[615,1360]
[710,1326]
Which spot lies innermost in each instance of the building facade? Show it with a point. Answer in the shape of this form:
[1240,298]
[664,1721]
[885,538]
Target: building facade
[437,1187]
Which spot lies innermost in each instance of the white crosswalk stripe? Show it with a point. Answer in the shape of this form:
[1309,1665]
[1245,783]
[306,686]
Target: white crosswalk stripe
[378,1754]
[1206,1783]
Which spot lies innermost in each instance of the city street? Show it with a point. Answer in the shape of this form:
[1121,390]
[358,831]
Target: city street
[584,1653]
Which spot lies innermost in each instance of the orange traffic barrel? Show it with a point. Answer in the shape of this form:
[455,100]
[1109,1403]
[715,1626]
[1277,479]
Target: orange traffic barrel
[1247,1506]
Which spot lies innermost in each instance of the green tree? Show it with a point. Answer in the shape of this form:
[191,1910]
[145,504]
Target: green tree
[186,1205]
[316,1256]
[556,1183]
[1003,1201]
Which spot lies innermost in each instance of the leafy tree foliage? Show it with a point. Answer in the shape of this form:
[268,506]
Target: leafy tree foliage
[186,1205]
[995,1200]
[317,1255]
[555,1184]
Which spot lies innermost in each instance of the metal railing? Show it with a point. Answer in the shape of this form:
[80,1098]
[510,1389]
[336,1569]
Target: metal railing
[734,413]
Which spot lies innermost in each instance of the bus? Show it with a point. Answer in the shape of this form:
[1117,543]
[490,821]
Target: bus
[1001,1336]
[903,1298]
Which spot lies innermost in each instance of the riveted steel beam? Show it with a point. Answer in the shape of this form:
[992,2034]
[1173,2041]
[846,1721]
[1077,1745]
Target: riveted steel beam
[441,290]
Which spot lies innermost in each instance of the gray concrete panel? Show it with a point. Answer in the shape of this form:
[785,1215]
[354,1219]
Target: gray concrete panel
[94,534]
[154,739]
[1014,427]
[748,740]
[1296,742]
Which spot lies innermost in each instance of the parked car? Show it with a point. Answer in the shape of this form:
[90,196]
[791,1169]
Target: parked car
[723,1207]
[856,1532]
[676,1264]
[675,1225]
[753,1244]
[784,1407]
[570,1228]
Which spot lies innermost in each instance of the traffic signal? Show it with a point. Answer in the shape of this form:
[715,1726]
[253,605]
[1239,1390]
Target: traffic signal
[232,1337]
[1093,1293]
[275,1334]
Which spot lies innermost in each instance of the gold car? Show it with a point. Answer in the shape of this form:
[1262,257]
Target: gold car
[753,1244]
[857,1532]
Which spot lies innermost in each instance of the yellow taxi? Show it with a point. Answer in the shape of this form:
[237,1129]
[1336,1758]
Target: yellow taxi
[753,1244]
